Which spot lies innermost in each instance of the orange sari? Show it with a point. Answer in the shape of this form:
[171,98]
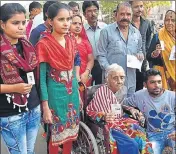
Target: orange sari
[168,70]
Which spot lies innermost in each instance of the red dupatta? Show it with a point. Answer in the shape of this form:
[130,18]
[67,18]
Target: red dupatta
[51,52]
[11,62]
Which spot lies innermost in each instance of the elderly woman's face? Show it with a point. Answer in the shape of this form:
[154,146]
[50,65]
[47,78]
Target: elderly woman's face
[170,21]
[116,80]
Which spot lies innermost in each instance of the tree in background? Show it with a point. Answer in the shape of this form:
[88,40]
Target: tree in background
[148,5]
[107,8]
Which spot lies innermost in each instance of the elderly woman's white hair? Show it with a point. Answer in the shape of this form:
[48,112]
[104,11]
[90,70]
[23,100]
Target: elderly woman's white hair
[113,68]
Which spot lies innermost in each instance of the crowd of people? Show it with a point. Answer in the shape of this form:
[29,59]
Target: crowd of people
[44,61]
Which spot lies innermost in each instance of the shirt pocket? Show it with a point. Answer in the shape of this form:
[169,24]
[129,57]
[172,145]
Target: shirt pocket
[116,46]
[135,39]
[133,45]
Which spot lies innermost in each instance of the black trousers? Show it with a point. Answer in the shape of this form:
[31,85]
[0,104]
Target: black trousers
[96,73]
[139,80]
[140,76]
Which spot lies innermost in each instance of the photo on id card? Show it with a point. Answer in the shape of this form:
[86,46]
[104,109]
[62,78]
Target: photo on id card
[30,78]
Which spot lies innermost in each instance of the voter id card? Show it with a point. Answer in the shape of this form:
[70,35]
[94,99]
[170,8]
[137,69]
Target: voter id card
[162,45]
[30,78]
[116,108]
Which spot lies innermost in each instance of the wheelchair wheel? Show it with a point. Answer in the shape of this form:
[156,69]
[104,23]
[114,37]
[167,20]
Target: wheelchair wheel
[85,143]
[100,142]
[101,147]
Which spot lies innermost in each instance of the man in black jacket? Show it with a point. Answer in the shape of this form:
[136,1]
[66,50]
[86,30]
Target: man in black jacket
[145,29]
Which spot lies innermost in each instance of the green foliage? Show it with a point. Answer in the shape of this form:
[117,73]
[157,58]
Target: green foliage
[151,4]
[108,6]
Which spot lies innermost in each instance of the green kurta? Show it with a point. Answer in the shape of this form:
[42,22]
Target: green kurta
[64,106]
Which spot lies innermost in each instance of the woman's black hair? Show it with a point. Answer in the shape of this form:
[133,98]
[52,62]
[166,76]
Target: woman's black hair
[45,8]
[77,15]
[54,9]
[87,4]
[8,10]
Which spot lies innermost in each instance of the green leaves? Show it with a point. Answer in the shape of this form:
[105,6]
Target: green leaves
[108,6]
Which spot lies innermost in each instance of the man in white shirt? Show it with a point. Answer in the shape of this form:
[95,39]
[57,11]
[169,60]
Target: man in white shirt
[92,29]
[35,9]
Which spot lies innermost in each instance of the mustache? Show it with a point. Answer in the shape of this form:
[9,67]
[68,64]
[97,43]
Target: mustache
[125,20]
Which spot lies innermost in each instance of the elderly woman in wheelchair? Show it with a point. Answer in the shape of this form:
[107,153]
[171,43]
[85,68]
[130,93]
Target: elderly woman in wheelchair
[107,105]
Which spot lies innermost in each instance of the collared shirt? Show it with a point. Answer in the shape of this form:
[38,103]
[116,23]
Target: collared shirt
[93,35]
[113,48]
[146,33]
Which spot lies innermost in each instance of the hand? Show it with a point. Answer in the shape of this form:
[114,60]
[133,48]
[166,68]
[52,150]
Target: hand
[140,56]
[172,136]
[47,116]
[110,117]
[141,119]
[84,77]
[135,113]
[157,51]
[78,78]
[118,116]
[22,88]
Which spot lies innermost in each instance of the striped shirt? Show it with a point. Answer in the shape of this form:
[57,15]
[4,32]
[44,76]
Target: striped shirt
[101,103]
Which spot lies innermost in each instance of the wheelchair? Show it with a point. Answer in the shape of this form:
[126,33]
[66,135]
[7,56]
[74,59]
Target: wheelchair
[93,136]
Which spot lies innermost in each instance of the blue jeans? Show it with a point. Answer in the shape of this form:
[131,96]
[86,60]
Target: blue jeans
[160,140]
[20,131]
